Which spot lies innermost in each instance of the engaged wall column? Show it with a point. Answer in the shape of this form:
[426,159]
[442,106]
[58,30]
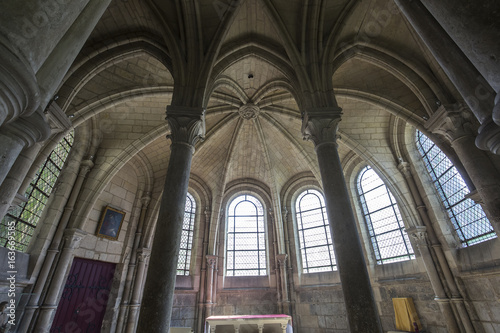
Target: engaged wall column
[320,126]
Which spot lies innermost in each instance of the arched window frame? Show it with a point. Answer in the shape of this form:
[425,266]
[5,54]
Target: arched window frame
[453,193]
[186,244]
[397,226]
[326,262]
[233,248]
[21,222]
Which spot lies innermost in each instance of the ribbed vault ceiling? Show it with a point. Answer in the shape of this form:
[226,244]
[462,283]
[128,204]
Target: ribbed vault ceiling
[267,144]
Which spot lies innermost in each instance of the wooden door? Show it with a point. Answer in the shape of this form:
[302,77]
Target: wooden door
[85,296]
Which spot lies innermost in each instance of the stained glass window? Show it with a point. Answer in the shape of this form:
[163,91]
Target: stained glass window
[315,239]
[389,239]
[186,246]
[24,218]
[246,238]
[468,218]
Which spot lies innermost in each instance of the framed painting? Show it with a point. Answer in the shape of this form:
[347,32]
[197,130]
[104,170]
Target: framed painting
[111,223]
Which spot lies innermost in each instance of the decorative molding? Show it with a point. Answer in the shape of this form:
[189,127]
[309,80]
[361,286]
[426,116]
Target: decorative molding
[187,125]
[321,125]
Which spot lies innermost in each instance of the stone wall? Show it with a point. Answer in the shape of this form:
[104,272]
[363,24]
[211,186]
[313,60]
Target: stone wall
[184,309]
[320,310]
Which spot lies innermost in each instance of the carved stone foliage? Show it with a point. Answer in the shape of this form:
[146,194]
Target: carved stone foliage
[321,125]
[249,111]
[187,125]
[452,122]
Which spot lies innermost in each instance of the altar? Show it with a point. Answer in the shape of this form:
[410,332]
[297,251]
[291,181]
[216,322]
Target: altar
[249,324]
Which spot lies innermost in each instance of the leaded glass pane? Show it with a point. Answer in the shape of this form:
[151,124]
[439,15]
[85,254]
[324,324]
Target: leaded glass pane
[25,217]
[468,218]
[386,228]
[184,260]
[314,233]
[246,238]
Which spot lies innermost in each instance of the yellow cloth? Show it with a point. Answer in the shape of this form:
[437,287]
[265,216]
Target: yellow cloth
[406,314]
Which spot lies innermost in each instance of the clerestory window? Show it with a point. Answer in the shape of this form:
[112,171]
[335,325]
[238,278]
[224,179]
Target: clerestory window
[184,261]
[18,226]
[246,237]
[388,237]
[315,239]
[468,218]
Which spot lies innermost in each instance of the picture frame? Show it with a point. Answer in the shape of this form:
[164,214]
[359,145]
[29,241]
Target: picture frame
[110,223]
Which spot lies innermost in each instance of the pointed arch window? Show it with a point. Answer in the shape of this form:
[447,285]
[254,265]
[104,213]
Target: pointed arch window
[389,239]
[315,239]
[23,219]
[468,218]
[246,238]
[184,261]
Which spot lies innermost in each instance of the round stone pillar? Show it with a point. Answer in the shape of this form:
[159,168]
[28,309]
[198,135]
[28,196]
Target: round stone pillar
[187,126]
[320,126]
[474,27]
[17,135]
[475,90]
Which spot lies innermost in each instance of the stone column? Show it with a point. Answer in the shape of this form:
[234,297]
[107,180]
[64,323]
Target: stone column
[132,265]
[72,239]
[474,27]
[211,265]
[320,126]
[135,301]
[9,189]
[282,258]
[260,327]
[187,126]
[16,136]
[54,247]
[456,296]
[456,126]
[419,236]
[469,82]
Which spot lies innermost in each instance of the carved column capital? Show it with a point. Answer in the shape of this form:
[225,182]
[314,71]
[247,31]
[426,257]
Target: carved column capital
[320,125]
[418,234]
[86,166]
[282,260]
[73,237]
[145,200]
[405,169]
[187,125]
[212,261]
[453,122]
[143,254]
